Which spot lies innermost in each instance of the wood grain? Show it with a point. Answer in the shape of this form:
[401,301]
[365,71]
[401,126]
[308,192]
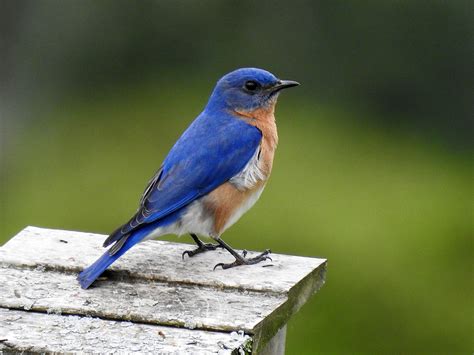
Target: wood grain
[152,285]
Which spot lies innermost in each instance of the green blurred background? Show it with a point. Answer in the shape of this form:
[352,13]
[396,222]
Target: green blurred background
[373,171]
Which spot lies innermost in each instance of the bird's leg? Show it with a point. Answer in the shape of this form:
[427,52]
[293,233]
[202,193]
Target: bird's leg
[239,259]
[202,247]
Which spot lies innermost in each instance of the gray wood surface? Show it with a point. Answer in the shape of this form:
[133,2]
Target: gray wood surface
[146,302]
[40,332]
[152,285]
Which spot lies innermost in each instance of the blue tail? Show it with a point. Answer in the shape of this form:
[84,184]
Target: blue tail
[91,273]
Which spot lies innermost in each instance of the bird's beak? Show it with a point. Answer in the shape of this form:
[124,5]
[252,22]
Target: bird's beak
[284,84]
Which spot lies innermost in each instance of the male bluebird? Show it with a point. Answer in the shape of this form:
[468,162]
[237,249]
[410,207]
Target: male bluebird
[213,174]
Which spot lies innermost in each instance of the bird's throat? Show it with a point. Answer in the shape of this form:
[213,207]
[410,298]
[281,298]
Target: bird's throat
[264,114]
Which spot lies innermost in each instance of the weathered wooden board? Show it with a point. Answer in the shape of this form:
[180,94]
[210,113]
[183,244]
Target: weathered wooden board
[152,284]
[146,302]
[40,332]
[155,260]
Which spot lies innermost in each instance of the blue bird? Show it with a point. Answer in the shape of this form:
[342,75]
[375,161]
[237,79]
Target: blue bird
[213,174]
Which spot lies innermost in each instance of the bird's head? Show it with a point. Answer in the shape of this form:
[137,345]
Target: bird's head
[248,89]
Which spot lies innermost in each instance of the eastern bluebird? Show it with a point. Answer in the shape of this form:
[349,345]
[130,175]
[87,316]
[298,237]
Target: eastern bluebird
[213,174]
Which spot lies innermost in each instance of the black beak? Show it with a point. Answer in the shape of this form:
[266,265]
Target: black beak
[284,84]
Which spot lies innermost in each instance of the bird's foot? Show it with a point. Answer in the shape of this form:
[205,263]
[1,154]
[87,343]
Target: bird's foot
[242,260]
[203,247]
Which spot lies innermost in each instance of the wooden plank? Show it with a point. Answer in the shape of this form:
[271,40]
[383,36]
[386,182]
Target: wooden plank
[152,302]
[22,331]
[152,284]
[155,260]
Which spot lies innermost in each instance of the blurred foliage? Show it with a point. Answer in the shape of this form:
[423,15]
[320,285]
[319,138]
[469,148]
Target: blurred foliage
[409,58]
[391,215]
[373,171]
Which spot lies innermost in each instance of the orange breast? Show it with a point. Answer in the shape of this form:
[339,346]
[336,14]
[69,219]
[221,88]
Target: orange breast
[264,119]
[228,203]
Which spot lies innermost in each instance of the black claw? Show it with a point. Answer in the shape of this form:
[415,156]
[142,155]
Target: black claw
[200,249]
[244,261]
[217,265]
[227,266]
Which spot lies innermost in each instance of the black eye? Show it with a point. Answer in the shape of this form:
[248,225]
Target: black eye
[251,85]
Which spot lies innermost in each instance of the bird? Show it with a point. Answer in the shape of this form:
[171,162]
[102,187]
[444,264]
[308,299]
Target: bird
[214,173]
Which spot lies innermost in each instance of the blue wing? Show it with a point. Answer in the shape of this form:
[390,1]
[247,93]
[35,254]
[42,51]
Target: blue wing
[211,151]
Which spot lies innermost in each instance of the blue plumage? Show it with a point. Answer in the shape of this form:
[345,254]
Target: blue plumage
[198,162]
[216,147]
[203,158]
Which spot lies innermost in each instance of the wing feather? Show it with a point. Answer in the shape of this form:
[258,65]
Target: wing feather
[210,152]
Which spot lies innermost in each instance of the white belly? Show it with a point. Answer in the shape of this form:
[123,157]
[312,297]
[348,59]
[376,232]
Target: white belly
[250,175]
[195,219]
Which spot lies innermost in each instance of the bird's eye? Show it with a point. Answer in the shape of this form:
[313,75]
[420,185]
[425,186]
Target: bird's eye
[251,85]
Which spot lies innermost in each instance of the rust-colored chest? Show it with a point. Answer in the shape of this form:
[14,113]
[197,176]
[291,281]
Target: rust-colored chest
[264,120]
[228,202]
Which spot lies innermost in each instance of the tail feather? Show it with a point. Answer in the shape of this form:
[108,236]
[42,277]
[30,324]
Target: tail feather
[114,236]
[91,273]
[122,244]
